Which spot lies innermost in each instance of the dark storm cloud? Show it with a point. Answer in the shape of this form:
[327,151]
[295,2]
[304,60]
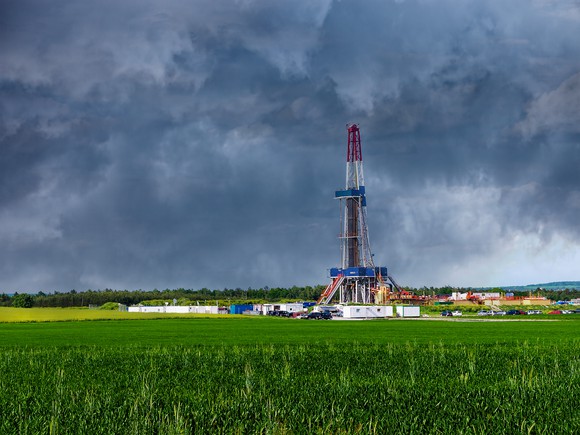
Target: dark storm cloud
[164,144]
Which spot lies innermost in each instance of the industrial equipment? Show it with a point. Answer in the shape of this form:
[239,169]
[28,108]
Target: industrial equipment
[357,280]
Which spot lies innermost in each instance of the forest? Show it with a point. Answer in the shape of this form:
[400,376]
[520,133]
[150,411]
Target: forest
[226,296]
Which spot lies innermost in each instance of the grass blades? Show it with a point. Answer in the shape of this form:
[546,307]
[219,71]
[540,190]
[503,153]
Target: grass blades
[238,375]
[382,388]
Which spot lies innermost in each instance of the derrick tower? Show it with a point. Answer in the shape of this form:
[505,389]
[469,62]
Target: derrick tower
[357,280]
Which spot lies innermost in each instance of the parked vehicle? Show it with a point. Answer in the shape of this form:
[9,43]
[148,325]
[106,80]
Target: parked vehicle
[515,312]
[317,315]
[555,312]
[567,311]
[531,312]
[498,313]
[280,313]
[446,313]
[484,313]
[457,313]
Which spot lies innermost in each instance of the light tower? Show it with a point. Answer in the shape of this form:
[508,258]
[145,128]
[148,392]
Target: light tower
[357,280]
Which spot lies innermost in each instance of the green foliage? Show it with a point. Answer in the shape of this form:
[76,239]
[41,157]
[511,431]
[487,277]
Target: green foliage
[111,306]
[184,296]
[229,296]
[22,300]
[251,330]
[301,388]
[275,375]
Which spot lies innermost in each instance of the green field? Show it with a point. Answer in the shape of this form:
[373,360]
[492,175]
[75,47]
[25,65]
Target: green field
[10,315]
[270,375]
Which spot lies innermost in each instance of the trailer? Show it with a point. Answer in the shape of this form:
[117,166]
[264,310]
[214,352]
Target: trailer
[367,311]
[408,311]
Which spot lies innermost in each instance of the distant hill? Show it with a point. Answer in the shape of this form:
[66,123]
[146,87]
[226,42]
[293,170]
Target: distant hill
[558,285]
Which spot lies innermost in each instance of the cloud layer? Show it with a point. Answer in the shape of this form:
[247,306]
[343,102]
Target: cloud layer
[191,144]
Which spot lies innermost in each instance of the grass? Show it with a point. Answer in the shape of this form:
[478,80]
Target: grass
[239,330]
[11,315]
[271,375]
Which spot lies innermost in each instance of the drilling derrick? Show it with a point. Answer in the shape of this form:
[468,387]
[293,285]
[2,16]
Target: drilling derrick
[357,279]
[354,237]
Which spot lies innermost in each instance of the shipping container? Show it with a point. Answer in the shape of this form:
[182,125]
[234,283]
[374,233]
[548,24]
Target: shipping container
[239,309]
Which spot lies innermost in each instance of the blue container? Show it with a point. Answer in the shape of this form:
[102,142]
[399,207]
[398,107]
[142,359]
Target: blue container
[239,309]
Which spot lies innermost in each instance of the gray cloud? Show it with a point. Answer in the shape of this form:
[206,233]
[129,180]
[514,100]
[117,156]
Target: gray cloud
[165,144]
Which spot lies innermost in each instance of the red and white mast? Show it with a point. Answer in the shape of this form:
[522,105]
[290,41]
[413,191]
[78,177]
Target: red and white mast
[356,251]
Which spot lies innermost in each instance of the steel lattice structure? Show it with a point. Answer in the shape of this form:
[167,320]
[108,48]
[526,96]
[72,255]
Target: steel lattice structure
[357,279]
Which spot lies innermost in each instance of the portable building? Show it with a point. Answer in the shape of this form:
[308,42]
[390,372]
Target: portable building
[408,311]
[204,309]
[367,311]
[266,308]
[175,309]
[147,309]
[292,307]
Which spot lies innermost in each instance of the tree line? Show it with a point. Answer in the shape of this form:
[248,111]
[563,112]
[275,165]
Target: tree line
[134,297]
[89,297]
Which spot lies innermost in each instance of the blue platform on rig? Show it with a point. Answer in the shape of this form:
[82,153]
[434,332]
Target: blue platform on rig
[352,193]
[358,272]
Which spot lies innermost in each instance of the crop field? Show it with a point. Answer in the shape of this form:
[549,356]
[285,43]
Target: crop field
[270,375]
[68,314]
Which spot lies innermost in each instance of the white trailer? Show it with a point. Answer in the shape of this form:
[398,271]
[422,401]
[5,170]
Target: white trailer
[290,307]
[204,309]
[147,309]
[267,308]
[408,311]
[175,309]
[367,311]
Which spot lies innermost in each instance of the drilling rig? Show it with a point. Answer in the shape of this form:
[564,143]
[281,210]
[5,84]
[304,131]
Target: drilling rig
[357,280]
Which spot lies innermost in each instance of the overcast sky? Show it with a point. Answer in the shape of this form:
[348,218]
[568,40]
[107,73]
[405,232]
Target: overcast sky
[164,144]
